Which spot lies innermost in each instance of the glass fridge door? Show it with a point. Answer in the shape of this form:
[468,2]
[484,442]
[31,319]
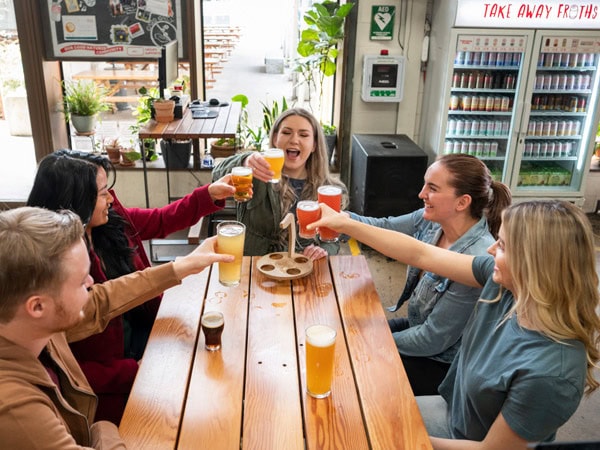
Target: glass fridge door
[482,109]
[558,133]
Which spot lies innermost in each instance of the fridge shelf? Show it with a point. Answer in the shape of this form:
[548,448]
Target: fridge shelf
[566,69]
[486,67]
[479,113]
[549,158]
[476,136]
[484,91]
[555,113]
[562,91]
[554,137]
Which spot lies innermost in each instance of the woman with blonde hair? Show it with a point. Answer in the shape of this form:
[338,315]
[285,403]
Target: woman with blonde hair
[528,353]
[298,133]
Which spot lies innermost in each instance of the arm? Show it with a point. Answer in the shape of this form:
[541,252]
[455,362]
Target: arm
[114,297]
[401,247]
[500,437]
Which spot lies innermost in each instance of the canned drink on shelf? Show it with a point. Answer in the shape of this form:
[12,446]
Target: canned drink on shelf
[546,128]
[531,128]
[528,149]
[562,81]
[451,128]
[535,150]
[565,60]
[489,103]
[475,128]
[505,105]
[579,82]
[456,147]
[497,103]
[570,81]
[468,125]
[464,80]
[535,104]
[539,82]
[539,126]
[569,150]
[470,80]
[459,58]
[581,104]
[490,128]
[516,59]
[576,127]
[562,128]
[455,80]
[485,58]
[464,147]
[478,80]
[454,102]
[466,103]
[554,81]
[588,59]
[460,127]
[476,58]
[547,83]
[500,59]
[550,153]
[557,60]
[488,81]
[587,81]
[569,128]
[553,127]
[475,103]
[573,59]
[493,148]
[486,148]
[560,149]
[498,128]
[543,102]
[479,149]
[548,59]
[508,61]
[448,145]
[468,58]
[472,147]
[492,57]
[543,149]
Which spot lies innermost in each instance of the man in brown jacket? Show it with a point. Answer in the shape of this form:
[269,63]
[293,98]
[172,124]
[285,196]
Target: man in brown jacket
[47,298]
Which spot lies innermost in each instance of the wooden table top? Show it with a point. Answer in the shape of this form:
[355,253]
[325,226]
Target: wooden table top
[252,393]
[224,125]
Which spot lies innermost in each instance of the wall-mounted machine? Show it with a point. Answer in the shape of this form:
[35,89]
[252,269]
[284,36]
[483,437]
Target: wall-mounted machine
[383,78]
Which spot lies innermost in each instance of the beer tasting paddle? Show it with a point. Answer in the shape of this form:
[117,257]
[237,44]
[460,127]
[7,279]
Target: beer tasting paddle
[286,265]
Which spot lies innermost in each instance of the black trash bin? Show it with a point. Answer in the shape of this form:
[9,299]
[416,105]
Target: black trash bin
[176,153]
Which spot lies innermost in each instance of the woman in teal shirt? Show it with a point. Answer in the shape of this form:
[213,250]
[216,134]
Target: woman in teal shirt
[530,348]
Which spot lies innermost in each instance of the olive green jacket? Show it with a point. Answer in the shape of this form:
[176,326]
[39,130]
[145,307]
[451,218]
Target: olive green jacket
[262,215]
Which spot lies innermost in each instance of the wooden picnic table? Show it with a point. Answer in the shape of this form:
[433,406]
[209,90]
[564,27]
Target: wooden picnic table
[252,393]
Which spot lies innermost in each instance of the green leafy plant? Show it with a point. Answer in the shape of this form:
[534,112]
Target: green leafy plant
[318,45]
[254,137]
[143,113]
[328,129]
[83,98]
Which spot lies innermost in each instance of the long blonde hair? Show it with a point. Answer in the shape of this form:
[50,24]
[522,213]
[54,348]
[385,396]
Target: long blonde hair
[317,164]
[551,258]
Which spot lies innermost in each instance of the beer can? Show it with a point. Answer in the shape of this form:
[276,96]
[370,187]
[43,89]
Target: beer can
[471,81]
[489,103]
[500,59]
[459,59]
[554,81]
[550,152]
[539,126]
[539,82]
[516,59]
[476,58]
[466,103]
[505,105]
[468,124]
[569,128]
[531,128]
[486,148]
[488,81]
[475,128]
[544,149]
[566,60]
[454,101]
[540,62]
[468,58]
[498,128]
[485,58]
[569,151]
[464,80]
[581,104]
[493,148]
[547,83]
[548,59]
[492,57]
[505,127]
[570,81]
[497,103]
[535,150]
[456,147]
[562,128]
[546,128]
[455,80]
[579,82]
[490,128]
[560,149]
[475,103]
[528,149]
[478,80]
[557,60]
[553,128]
[508,59]
[562,81]
[587,81]
[448,146]
[472,147]
[460,127]
[464,147]
[451,129]
[576,127]
[588,59]
[535,104]
[479,149]
[543,102]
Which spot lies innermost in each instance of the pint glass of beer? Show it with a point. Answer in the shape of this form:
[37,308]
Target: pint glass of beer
[241,177]
[332,197]
[212,323]
[230,241]
[307,211]
[320,355]
[275,157]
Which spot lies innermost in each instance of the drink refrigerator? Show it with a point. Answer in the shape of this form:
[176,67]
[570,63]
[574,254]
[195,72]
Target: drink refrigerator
[525,101]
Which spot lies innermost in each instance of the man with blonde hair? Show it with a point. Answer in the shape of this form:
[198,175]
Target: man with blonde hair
[47,298]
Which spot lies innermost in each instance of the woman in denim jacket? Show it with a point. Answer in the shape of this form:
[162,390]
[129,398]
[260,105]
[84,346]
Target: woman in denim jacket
[462,214]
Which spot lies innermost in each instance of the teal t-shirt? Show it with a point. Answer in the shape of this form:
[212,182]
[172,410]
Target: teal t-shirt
[535,382]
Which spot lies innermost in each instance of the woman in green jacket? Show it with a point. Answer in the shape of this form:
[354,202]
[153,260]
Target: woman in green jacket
[298,133]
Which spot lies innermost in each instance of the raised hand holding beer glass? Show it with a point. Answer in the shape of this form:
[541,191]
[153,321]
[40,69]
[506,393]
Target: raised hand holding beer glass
[275,158]
[332,197]
[230,240]
[241,177]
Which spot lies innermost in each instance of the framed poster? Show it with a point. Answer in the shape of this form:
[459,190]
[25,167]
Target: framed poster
[112,29]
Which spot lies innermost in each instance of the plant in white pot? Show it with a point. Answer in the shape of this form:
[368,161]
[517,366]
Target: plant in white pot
[82,102]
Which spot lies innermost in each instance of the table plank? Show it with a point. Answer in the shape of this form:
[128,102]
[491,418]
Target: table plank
[160,388]
[272,409]
[213,410]
[315,302]
[389,407]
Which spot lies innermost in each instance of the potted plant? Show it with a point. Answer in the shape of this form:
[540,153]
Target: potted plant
[143,113]
[82,101]
[113,149]
[129,156]
[318,45]
[164,110]
[254,138]
[223,147]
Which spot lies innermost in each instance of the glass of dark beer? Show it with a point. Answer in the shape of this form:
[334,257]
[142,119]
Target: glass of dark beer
[212,323]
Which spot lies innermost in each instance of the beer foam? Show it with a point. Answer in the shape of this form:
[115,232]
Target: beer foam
[212,319]
[320,335]
[308,205]
[241,171]
[329,190]
[231,230]
[273,152]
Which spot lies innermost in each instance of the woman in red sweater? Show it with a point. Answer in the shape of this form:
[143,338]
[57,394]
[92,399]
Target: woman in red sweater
[80,182]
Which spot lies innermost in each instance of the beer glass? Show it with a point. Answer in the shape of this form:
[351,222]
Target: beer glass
[332,197]
[307,211]
[275,158]
[320,355]
[241,177]
[230,240]
[212,323]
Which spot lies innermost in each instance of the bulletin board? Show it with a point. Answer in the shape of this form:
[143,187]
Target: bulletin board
[112,29]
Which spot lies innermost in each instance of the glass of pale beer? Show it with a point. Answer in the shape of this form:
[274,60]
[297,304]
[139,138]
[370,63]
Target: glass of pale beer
[241,177]
[275,158]
[307,211]
[212,323]
[230,241]
[332,197]
[320,355]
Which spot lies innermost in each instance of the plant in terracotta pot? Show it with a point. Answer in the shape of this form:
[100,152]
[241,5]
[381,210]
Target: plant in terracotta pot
[113,150]
[82,102]
[129,156]
[223,147]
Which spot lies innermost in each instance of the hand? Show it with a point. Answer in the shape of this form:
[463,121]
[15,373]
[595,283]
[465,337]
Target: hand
[203,256]
[314,252]
[330,219]
[261,169]
[221,189]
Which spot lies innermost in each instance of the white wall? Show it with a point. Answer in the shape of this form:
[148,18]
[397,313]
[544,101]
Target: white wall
[391,118]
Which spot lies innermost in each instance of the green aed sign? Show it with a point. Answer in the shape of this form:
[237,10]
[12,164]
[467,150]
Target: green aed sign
[382,22]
